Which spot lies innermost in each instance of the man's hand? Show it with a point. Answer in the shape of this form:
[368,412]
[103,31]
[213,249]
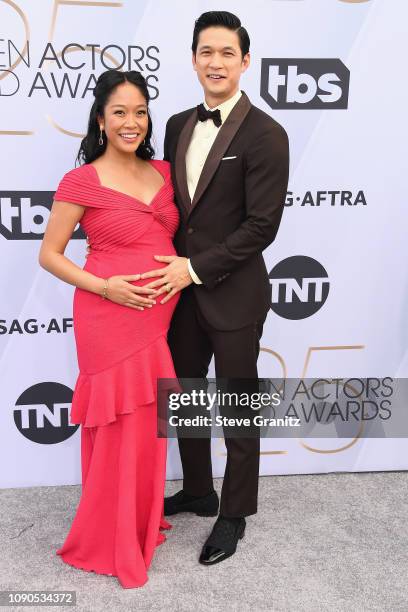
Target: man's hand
[171,279]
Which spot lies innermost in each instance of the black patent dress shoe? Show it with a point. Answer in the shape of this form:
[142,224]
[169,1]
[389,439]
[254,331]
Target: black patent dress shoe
[202,506]
[223,540]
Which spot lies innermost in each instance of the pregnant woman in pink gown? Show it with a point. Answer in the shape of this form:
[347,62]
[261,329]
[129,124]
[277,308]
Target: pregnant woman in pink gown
[123,199]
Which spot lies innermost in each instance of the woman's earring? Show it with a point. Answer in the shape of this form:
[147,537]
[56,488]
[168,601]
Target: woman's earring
[144,142]
[100,137]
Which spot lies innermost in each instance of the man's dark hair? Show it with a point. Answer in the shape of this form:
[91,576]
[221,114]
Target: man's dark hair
[221,19]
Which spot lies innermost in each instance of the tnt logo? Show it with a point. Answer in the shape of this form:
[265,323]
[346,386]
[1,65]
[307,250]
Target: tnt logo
[305,83]
[42,413]
[299,287]
[24,214]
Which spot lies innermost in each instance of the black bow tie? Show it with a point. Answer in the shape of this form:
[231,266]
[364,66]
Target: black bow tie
[204,114]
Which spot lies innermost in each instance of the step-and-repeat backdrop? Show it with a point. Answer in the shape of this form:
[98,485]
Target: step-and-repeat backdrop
[333,73]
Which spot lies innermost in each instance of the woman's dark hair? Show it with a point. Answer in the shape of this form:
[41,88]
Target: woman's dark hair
[90,148]
[225,20]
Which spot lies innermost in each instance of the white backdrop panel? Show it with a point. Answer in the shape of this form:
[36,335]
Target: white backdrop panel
[359,149]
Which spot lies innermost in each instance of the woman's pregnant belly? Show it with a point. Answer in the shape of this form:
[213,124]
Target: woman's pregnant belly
[106,332]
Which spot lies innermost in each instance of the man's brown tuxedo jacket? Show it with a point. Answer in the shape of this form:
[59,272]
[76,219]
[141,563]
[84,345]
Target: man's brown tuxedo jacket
[235,212]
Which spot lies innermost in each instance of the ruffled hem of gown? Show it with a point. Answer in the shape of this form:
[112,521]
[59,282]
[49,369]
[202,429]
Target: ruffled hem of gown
[100,397]
[93,568]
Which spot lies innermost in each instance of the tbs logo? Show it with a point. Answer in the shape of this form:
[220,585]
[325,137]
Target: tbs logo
[299,287]
[305,83]
[24,214]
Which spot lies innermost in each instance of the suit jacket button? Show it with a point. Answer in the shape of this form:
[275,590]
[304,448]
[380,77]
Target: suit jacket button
[190,230]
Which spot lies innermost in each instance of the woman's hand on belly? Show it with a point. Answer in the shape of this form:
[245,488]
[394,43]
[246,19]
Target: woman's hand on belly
[120,291]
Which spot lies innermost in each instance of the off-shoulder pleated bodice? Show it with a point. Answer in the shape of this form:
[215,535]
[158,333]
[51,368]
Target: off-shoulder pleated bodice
[114,220]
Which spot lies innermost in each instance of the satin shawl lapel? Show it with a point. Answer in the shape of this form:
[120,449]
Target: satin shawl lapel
[180,165]
[224,137]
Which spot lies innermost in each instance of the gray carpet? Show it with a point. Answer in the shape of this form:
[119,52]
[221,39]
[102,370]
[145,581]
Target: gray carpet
[318,543]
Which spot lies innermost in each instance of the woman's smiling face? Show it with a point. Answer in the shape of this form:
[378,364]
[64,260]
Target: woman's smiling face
[125,119]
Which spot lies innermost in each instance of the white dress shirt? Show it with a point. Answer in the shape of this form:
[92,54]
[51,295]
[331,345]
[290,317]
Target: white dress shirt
[202,139]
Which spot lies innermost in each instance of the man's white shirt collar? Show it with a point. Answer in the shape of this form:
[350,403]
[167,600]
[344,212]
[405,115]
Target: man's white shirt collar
[227,106]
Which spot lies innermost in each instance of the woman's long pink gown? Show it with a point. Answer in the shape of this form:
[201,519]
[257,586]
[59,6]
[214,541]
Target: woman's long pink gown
[121,353]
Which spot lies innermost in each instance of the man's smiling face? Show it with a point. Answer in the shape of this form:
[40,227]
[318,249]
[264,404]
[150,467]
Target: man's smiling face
[219,63]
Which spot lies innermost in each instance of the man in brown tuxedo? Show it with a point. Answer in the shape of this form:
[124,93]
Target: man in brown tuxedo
[230,171]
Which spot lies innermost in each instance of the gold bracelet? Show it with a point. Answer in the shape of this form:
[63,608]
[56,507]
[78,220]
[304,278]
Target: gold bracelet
[105,289]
